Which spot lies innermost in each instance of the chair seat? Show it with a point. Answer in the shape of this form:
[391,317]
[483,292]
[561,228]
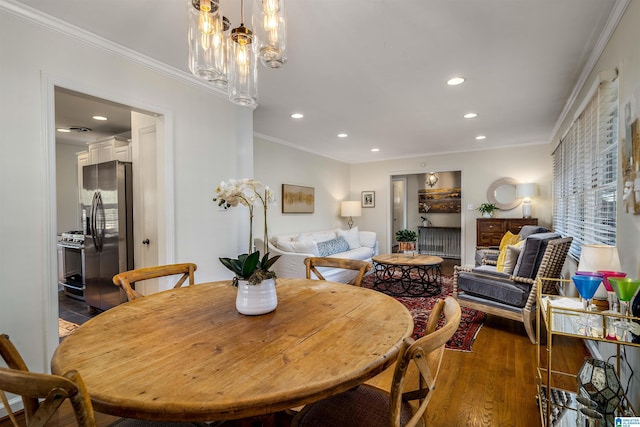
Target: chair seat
[497,289]
[363,406]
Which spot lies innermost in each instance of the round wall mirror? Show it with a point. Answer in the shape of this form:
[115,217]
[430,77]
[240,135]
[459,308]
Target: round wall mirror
[502,193]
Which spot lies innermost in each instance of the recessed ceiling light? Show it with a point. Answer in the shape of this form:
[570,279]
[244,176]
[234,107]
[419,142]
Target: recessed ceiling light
[481,137]
[101,118]
[375,150]
[297,115]
[471,115]
[456,81]
[342,135]
[63,130]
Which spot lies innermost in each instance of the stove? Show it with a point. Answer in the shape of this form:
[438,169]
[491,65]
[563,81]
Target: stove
[72,237]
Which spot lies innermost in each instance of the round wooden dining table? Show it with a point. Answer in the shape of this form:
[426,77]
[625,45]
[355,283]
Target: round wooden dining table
[186,354]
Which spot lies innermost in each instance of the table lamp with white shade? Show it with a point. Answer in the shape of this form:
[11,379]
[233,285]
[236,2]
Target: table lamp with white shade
[594,258]
[350,208]
[526,191]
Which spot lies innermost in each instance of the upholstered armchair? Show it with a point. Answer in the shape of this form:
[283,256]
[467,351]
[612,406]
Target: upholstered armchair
[513,296]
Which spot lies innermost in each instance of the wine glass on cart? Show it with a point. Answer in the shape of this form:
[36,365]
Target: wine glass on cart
[625,289]
[611,295]
[587,286]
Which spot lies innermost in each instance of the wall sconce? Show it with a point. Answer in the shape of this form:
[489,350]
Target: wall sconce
[525,191]
[431,179]
[350,208]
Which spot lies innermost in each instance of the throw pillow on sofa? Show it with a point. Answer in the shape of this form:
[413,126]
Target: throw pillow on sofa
[508,239]
[333,246]
[351,236]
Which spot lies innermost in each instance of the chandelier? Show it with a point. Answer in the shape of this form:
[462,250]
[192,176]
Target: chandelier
[431,179]
[228,58]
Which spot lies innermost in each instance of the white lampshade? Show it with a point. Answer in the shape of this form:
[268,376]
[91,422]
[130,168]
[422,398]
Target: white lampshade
[350,208]
[526,189]
[599,257]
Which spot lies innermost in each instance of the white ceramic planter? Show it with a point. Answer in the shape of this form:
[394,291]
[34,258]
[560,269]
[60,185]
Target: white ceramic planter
[257,299]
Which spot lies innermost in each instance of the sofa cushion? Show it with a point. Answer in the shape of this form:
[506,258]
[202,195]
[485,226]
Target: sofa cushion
[362,253]
[508,239]
[532,253]
[305,247]
[333,246]
[318,236]
[513,253]
[528,230]
[351,236]
[367,238]
[504,291]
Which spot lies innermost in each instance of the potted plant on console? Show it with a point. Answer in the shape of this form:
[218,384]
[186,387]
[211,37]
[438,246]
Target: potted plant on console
[487,209]
[406,240]
[253,277]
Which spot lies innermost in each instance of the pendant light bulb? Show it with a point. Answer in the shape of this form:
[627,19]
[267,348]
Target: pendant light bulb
[271,6]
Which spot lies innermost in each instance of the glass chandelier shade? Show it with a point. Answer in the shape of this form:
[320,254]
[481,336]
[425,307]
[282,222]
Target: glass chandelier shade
[228,59]
[243,73]
[269,24]
[207,35]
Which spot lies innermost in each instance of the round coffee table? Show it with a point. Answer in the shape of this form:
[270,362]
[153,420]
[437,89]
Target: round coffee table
[408,274]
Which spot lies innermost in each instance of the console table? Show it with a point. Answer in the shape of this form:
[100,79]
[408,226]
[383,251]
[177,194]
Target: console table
[489,231]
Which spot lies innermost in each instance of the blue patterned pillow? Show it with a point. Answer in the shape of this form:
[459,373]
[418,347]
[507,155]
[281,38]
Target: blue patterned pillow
[333,246]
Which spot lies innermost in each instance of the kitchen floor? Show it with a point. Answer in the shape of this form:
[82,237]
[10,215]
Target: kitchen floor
[73,310]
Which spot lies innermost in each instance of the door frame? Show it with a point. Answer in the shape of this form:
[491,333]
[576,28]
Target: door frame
[166,253]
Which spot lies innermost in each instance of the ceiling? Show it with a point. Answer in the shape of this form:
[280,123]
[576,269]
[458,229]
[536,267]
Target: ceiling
[376,69]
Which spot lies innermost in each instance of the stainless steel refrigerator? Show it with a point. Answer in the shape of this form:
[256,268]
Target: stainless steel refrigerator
[107,216]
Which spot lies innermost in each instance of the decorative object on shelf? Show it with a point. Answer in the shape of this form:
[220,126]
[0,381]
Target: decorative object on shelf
[350,208]
[431,179]
[406,240]
[586,285]
[502,193]
[599,257]
[368,199]
[249,267]
[625,289]
[598,381]
[229,59]
[439,200]
[487,209]
[526,191]
[611,295]
[297,199]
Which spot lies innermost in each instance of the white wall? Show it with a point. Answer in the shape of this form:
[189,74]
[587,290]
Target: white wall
[201,153]
[479,169]
[623,53]
[277,164]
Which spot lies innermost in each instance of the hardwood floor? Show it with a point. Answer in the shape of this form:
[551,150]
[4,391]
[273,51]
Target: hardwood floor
[494,385]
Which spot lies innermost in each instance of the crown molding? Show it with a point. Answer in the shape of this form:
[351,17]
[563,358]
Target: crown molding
[83,36]
[607,32]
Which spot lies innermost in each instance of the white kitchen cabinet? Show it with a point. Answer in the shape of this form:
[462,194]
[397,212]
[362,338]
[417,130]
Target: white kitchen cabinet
[113,148]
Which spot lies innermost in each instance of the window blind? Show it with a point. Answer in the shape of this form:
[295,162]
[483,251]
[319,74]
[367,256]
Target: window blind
[585,170]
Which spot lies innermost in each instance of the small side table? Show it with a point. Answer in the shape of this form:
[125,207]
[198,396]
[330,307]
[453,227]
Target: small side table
[408,274]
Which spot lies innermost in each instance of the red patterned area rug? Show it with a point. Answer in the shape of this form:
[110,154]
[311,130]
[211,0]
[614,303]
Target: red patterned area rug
[420,307]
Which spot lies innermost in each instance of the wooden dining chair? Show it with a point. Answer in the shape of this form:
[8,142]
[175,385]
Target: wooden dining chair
[370,406]
[32,386]
[126,279]
[362,267]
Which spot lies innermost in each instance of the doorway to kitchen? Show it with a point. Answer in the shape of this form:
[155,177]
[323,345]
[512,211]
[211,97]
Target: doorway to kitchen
[92,130]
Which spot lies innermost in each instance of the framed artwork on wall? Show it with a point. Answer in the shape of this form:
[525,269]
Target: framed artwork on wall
[368,199]
[297,199]
[441,200]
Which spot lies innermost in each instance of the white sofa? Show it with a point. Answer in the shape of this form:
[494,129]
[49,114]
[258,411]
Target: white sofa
[337,243]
